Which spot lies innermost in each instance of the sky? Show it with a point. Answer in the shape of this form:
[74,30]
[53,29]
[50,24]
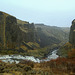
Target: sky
[49,12]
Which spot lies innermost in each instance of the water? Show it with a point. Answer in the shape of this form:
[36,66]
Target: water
[18,58]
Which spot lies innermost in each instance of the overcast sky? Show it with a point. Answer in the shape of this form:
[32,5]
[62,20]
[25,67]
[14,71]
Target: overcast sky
[50,12]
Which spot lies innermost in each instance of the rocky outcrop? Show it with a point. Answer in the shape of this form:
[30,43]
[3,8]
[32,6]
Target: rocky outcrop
[12,33]
[72,33]
[17,34]
[66,49]
[22,37]
[2,29]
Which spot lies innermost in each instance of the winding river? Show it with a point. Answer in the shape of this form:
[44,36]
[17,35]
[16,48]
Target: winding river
[18,58]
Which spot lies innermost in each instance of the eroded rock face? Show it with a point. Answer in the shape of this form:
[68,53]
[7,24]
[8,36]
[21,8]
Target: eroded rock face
[12,34]
[2,28]
[72,33]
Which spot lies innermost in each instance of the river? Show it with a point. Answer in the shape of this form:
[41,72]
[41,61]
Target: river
[18,58]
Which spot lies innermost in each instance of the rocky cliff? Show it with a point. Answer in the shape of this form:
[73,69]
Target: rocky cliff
[12,33]
[72,33]
[68,49]
[26,38]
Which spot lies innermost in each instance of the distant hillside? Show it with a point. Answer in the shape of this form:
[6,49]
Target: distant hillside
[51,34]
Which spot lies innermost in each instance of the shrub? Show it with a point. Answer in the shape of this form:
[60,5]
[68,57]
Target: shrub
[27,68]
[27,62]
[71,54]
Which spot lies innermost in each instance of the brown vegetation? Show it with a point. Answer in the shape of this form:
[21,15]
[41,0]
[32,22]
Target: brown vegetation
[59,66]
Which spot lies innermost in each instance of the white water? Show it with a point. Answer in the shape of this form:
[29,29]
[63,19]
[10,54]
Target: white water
[18,58]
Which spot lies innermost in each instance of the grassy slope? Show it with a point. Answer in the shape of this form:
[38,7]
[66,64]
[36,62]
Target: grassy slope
[60,33]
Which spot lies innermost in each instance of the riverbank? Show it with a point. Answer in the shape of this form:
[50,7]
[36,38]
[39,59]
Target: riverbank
[17,58]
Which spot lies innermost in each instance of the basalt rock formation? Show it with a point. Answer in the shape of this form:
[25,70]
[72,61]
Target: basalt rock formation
[12,34]
[72,33]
